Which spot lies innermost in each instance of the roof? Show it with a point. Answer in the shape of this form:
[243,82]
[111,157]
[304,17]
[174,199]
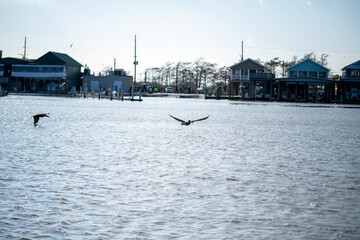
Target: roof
[10,60]
[54,58]
[354,65]
[248,60]
[304,79]
[308,65]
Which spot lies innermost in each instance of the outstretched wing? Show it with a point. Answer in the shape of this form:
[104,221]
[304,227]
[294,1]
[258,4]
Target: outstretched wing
[36,119]
[199,119]
[38,116]
[43,115]
[177,119]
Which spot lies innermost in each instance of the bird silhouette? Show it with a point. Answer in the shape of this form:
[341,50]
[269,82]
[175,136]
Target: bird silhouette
[187,123]
[38,116]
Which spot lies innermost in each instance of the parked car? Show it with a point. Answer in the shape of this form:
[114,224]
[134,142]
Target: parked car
[200,90]
[169,90]
[106,92]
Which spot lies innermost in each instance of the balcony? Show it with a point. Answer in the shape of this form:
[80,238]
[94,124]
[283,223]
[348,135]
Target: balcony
[38,71]
[261,76]
[61,75]
[253,76]
[350,76]
[238,77]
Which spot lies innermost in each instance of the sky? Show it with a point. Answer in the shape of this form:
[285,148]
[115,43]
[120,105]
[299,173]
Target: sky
[95,33]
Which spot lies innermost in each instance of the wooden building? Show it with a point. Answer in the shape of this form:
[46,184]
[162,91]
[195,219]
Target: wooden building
[52,73]
[306,81]
[350,83]
[250,80]
[116,81]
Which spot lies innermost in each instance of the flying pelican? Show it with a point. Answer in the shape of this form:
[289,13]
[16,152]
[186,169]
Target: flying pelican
[38,116]
[187,123]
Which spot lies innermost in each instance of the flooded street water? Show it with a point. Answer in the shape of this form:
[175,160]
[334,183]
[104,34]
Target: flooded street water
[100,169]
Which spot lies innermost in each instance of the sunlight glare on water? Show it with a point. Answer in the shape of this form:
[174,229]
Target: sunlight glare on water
[100,169]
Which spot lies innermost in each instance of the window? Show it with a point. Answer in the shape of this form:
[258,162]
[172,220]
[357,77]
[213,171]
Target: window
[302,74]
[353,72]
[322,74]
[313,74]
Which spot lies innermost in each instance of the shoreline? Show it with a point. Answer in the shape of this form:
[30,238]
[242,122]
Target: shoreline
[196,96]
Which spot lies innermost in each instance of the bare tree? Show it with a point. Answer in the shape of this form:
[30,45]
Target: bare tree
[285,65]
[224,74]
[106,70]
[272,64]
[323,59]
[312,56]
[197,69]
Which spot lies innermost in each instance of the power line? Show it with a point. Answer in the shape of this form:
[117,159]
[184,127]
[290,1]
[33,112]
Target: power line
[306,50]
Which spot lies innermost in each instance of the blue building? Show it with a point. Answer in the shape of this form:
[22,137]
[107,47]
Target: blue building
[350,83]
[306,81]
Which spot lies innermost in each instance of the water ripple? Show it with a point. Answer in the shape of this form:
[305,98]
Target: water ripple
[108,169]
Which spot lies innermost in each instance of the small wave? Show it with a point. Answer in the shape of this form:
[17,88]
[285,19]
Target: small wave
[232,179]
[314,205]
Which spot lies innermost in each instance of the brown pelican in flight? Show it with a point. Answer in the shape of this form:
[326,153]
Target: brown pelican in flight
[38,116]
[187,123]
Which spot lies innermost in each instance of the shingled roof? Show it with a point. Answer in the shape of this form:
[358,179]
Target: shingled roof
[54,58]
[308,65]
[354,65]
[10,60]
[249,60]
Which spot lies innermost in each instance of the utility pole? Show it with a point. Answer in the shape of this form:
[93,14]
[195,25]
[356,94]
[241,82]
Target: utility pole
[176,78]
[135,63]
[24,57]
[114,65]
[242,50]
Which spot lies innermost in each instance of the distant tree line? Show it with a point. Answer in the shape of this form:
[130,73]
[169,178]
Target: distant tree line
[189,75]
[203,74]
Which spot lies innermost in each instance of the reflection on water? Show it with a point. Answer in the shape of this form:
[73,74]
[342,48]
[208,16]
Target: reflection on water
[111,169]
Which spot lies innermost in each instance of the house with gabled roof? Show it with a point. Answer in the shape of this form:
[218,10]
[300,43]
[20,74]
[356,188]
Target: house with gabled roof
[249,79]
[306,81]
[71,67]
[350,83]
[53,73]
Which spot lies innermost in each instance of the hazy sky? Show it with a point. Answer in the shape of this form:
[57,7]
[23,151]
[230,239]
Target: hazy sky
[181,30]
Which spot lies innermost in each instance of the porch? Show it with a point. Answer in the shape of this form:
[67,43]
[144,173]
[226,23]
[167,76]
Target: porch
[304,90]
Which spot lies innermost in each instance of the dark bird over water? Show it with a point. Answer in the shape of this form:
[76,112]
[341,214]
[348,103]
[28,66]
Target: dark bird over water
[187,123]
[38,116]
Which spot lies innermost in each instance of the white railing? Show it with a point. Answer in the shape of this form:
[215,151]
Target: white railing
[38,71]
[239,77]
[39,74]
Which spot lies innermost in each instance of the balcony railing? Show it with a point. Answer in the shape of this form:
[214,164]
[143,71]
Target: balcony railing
[350,76]
[239,77]
[39,74]
[261,76]
[253,76]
